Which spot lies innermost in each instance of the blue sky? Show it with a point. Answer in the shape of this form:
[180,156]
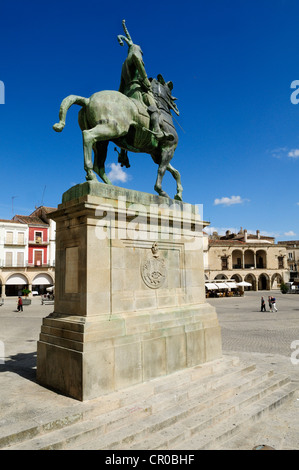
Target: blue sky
[232,63]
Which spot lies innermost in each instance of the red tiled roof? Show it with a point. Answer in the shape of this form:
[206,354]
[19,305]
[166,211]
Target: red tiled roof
[10,221]
[29,220]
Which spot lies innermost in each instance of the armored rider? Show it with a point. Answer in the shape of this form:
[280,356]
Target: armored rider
[135,83]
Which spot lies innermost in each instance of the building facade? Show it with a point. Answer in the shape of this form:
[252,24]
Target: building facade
[292,247]
[241,256]
[27,253]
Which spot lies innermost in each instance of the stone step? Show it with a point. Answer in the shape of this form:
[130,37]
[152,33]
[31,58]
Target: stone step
[170,420]
[209,412]
[159,391]
[215,437]
[160,414]
[170,416]
[151,396]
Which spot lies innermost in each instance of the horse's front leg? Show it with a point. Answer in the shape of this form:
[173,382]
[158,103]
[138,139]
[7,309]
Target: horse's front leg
[179,188]
[158,186]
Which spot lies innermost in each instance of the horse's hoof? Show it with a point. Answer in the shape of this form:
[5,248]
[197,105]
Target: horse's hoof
[163,194]
[91,176]
[178,198]
[58,127]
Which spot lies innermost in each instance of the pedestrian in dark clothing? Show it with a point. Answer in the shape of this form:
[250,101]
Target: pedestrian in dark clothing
[20,304]
[263,305]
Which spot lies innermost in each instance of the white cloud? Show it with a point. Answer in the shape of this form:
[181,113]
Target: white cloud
[289,234]
[279,152]
[117,173]
[228,201]
[294,153]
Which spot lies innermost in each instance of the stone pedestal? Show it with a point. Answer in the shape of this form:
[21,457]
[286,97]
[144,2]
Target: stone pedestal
[129,293]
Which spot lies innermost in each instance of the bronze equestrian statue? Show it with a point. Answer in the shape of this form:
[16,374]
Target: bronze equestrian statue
[136,118]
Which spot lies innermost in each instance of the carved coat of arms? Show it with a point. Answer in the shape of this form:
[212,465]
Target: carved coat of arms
[153,269]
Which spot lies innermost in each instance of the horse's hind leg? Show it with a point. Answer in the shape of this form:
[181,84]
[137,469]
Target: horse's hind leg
[179,188]
[108,130]
[158,186]
[166,156]
[89,139]
[100,154]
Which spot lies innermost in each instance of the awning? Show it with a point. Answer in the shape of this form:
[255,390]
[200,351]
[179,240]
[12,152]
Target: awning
[222,285]
[16,279]
[211,286]
[231,285]
[42,279]
[244,283]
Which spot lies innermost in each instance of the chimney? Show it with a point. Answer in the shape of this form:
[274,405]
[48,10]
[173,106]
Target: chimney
[245,235]
[258,234]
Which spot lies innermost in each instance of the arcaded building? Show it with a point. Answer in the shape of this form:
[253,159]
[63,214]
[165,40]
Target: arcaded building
[27,253]
[252,258]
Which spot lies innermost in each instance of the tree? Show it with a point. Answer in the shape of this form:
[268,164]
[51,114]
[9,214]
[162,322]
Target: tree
[284,288]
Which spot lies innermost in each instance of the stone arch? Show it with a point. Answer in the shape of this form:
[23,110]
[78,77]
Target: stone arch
[249,259]
[263,282]
[15,283]
[1,286]
[236,277]
[220,276]
[41,282]
[276,281]
[251,278]
[261,259]
[237,259]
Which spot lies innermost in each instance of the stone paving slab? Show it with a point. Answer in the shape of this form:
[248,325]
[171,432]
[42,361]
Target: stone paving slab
[247,333]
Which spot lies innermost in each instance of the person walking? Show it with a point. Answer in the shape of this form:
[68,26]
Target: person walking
[263,305]
[273,301]
[20,304]
[270,303]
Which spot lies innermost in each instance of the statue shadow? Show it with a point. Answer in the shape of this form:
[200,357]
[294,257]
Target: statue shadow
[23,364]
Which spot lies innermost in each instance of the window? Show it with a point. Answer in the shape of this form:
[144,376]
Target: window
[21,238]
[280,262]
[20,259]
[9,238]
[8,258]
[224,262]
[38,237]
[290,255]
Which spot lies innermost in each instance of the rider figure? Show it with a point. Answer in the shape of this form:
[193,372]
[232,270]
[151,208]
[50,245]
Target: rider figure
[135,83]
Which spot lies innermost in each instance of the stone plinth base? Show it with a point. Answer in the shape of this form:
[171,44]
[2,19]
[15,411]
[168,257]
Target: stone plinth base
[129,296]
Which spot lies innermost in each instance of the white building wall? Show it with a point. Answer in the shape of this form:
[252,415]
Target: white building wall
[14,246]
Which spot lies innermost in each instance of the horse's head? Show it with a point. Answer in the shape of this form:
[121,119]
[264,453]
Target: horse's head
[165,93]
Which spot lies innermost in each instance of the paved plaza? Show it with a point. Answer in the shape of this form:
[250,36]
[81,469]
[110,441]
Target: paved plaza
[248,333]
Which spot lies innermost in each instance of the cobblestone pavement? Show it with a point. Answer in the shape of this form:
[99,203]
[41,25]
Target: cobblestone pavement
[254,336]
[245,328]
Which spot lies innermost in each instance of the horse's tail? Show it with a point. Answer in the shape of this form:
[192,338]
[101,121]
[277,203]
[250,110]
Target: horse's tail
[65,105]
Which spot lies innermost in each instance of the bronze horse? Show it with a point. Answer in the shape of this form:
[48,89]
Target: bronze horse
[125,119]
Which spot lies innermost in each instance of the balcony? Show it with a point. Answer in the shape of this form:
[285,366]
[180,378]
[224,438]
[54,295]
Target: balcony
[15,244]
[4,264]
[40,265]
[37,241]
